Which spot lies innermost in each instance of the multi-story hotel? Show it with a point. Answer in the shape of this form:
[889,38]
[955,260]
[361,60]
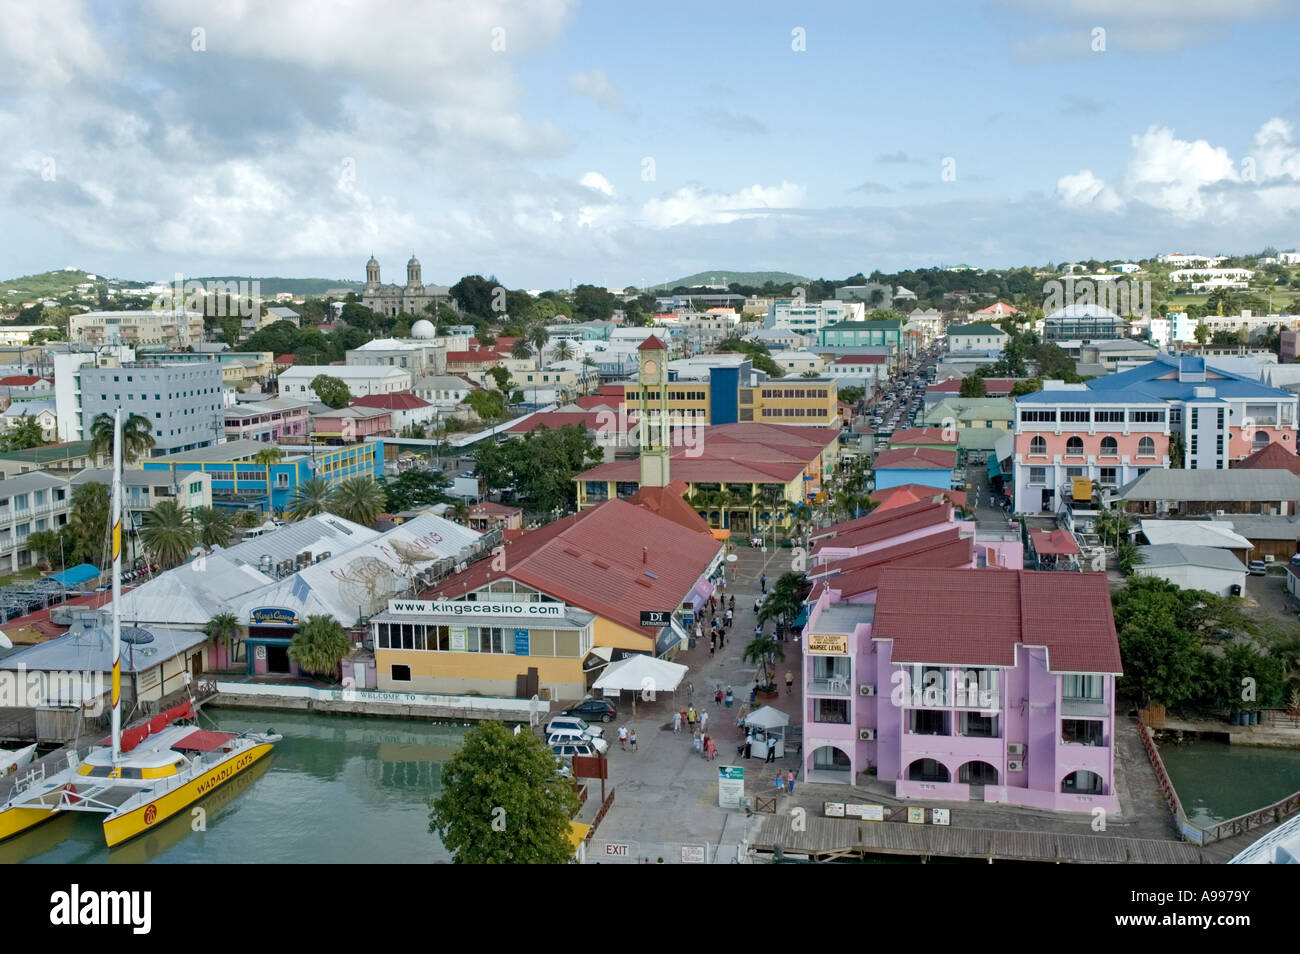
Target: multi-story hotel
[966,684]
[1114,429]
[176,329]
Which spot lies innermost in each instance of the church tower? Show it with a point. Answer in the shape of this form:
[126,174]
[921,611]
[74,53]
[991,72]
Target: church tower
[372,271]
[413,272]
[652,358]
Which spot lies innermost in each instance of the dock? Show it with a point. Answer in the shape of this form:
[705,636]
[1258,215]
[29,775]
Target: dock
[836,839]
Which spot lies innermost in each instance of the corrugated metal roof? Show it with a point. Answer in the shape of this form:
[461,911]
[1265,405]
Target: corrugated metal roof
[1213,485]
[1177,554]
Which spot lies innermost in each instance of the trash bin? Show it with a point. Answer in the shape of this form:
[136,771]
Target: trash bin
[1236,589]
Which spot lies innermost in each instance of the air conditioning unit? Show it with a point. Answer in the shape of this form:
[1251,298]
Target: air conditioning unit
[303,559]
[284,567]
[866,735]
[1015,765]
[324,555]
[460,567]
[1015,748]
[865,690]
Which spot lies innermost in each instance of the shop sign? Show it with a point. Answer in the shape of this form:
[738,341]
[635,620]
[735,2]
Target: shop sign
[828,645]
[273,616]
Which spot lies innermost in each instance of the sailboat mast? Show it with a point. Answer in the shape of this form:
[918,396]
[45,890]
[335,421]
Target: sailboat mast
[115,516]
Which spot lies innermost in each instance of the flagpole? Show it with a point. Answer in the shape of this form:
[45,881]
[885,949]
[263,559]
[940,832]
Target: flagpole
[115,517]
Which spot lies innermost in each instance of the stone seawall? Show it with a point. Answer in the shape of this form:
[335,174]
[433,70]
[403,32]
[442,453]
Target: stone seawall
[379,709]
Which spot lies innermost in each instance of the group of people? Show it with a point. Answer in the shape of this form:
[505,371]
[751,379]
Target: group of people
[625,737]
[707,748]
[688,717]
[720,619]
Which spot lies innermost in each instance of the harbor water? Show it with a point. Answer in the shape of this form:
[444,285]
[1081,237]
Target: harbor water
[336,789]
[1216,781]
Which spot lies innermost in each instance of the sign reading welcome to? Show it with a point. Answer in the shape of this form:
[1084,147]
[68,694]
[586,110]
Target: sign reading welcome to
[475,608]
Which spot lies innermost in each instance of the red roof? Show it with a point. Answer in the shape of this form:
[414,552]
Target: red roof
[893,497]
[924,435]
[872,519]
[19,380]
[916,458]
[861,359]
[1053,542]
[886,554]
[554,420]
[667,502]
[201,740]
[652,344]
[999,308]
[905,520]
[285,359]
[595,560]
[391,402]
[1272,457]
[949,552]
[491,508]
[473,357]
[976,618]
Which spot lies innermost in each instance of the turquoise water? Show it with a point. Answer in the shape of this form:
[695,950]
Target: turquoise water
[1216,781]
[336,789]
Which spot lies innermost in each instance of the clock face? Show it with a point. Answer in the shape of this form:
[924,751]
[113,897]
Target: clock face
[651,367]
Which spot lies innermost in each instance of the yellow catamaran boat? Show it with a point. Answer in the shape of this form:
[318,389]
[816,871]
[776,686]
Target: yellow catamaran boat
[143,777]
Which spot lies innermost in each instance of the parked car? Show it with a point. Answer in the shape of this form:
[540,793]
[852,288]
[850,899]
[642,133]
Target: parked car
[567,750]
[596,710]
[575,724]
[568,736]
[1258,568]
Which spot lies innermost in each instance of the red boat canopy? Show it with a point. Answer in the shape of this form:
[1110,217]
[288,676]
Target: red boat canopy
[203,741]
[134,736]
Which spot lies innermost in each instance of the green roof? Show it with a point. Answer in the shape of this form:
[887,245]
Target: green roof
[866,325]
[54,452]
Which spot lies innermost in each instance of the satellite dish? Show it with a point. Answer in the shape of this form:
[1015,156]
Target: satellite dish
[731,558]
[369,583]
[5,642]
[136,636]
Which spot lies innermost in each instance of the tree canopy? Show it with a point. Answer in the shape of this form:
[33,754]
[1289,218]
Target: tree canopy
[332,392]
[540,466]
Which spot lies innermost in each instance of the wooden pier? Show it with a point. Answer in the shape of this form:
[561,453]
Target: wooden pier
[835,839]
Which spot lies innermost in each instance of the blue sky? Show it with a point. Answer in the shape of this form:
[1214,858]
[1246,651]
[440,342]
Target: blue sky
[621,143]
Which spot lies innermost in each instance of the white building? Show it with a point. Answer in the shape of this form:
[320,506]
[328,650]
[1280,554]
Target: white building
[21,334]
[361,380]
[1211,569]
[176,329]
[1180,260]
[418,357]
[43,412]
[1213,277]
[443,391]
[797,362]
[807,318]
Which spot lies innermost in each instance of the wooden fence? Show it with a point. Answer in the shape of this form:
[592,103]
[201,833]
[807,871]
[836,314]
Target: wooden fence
[1250,821]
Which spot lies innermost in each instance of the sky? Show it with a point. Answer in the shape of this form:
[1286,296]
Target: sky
[614,142]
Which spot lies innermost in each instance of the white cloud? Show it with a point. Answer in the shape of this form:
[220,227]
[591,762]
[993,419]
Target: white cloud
[594,180]
[693,206]
[1194,180]
[50,45]
[596,86]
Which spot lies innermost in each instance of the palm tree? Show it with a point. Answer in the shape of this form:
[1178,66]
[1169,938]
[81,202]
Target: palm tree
[168,533]
[757,652]
[214,527]
[47,545]
[266,457]
[222,629]
[137,437]
[588,363]
[563,351]
[723,499]
[537,337]
[460,511]
[319,645]
[771,499]
[309,499]
[785,601]
[358,499]
[248,519]
[521,349]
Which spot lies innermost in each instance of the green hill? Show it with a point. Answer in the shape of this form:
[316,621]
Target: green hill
[56,284]
[723,277]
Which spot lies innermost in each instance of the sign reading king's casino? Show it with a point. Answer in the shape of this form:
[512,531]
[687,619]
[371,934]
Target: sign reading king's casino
[476,608]
[273,616]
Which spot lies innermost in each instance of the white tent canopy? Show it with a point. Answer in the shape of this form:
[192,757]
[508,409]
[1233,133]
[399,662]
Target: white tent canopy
[766,717]
[641,672]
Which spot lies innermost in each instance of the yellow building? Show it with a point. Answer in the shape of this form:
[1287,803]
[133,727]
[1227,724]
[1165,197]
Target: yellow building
[547,611]
[802,401]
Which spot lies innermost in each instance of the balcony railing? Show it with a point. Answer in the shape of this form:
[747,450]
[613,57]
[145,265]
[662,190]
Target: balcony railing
[830,686]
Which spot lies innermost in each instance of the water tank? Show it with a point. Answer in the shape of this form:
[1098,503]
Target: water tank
[423,329]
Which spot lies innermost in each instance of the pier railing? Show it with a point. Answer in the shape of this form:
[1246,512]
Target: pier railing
[1185,828]
[1275,813]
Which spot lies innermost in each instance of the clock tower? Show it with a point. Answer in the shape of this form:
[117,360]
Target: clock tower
[652,422]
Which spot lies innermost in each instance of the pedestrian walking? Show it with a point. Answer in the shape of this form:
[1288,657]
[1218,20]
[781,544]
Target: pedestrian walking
[789,781]
[677,722]
[758,603]
[711,750]
[712,648]
[690,717]
[731,603]
[722,639]
[713,604]
[753,696]
[698,742]
[789,680]
[779,782]
[704,746]
[762,582]
[771,752]
[622,737]
[749,744]
[704,721]
[728,626]
[633,740]
[758,631]
[699,632]
[717,697]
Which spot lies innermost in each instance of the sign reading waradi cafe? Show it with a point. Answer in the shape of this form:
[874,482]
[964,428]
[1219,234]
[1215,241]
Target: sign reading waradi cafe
[828,645]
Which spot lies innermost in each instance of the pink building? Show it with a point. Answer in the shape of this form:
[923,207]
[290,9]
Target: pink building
[268,420]
[966,684]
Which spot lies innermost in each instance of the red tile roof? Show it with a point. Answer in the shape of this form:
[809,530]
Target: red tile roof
[485,355]
[949,554]
[593,559]
[285,359]
[976,617]
[1272,457]
[667,502]
[885,554]
[652,344]
[893,497]
[916,458]
[492,508]
[1053,542]
[600,421]
[19,380]
[999,308]
[870,520]
[391,402]
[907,520]
[924,435]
